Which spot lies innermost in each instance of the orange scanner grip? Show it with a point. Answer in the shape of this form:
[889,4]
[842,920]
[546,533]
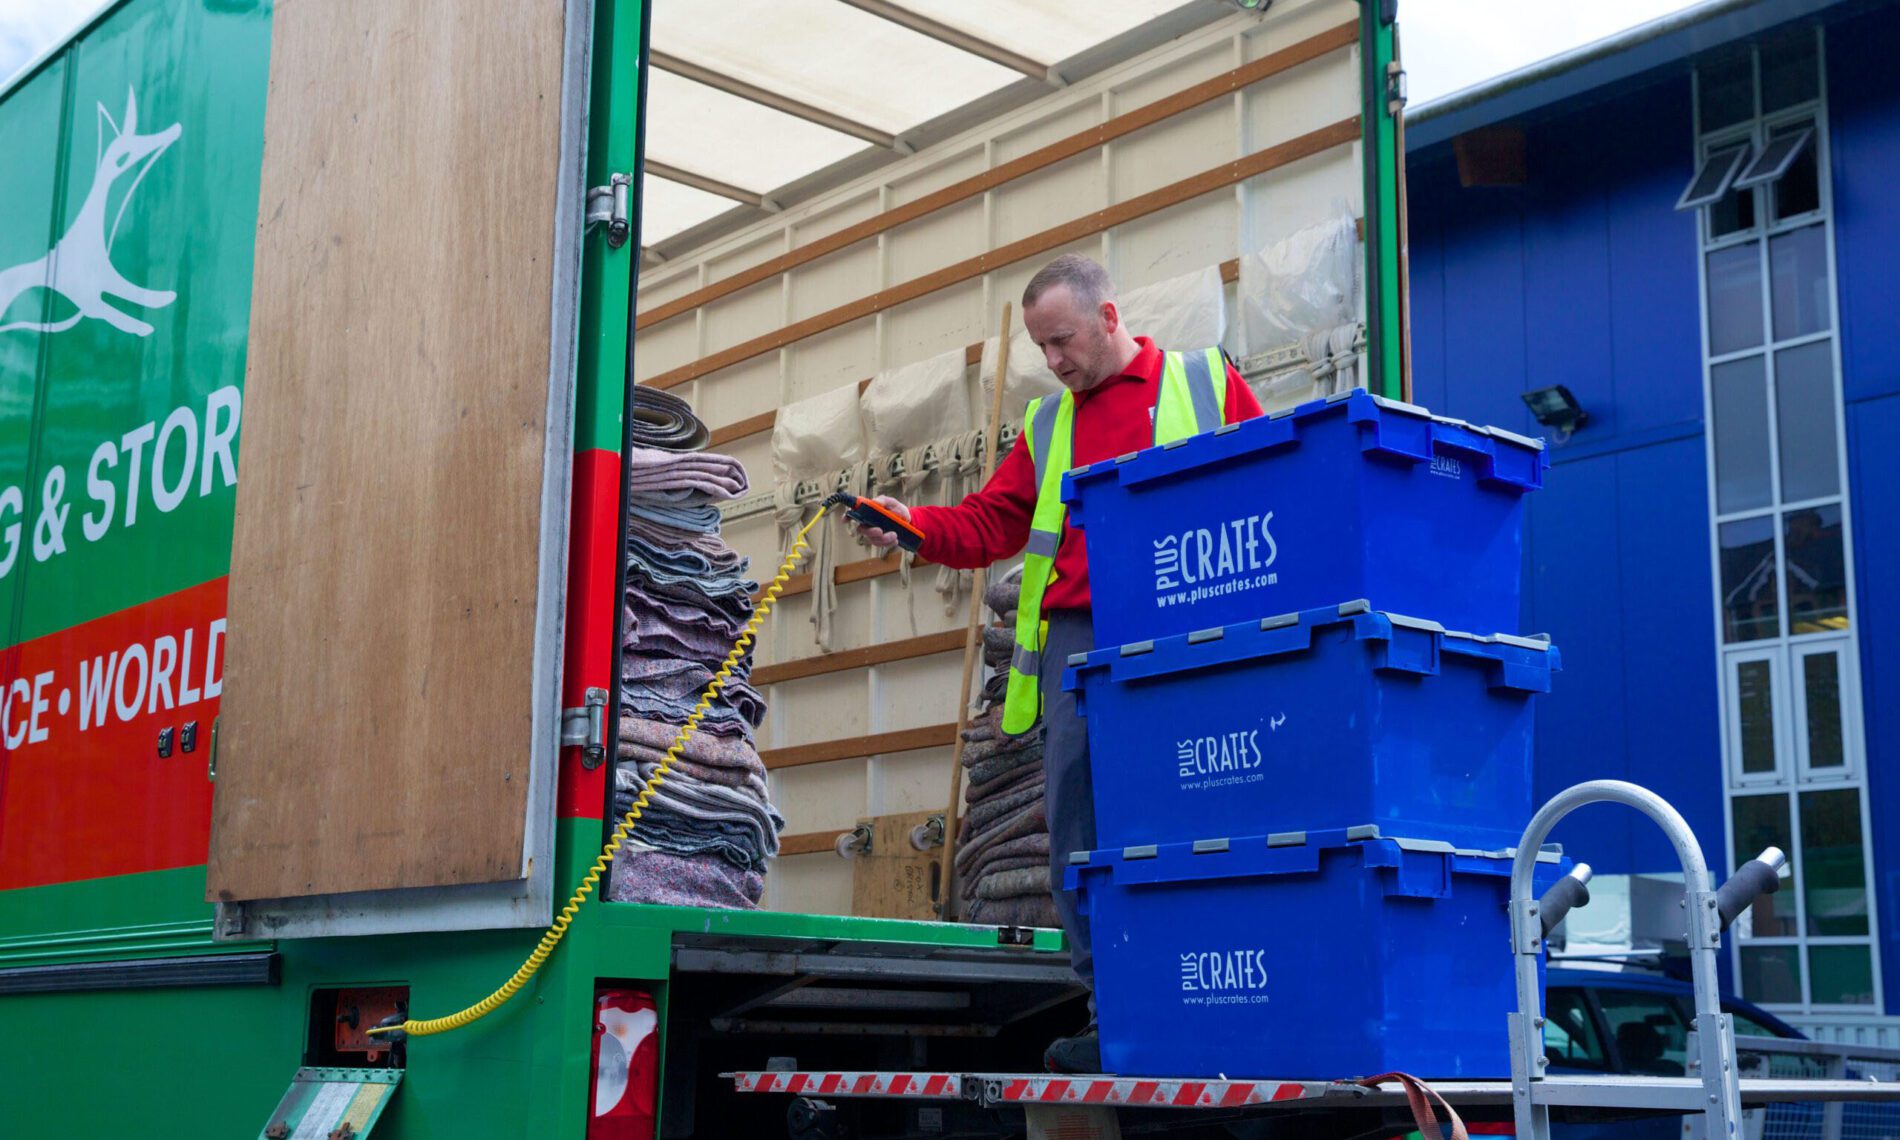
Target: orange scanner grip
[866,512]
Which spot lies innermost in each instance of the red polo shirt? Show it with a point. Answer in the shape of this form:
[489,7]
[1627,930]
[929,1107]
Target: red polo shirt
[1113,418]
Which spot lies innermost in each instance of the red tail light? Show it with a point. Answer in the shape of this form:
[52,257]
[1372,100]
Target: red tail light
[625,1090]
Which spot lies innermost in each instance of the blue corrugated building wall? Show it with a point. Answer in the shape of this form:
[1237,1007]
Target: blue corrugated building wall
[1583,273]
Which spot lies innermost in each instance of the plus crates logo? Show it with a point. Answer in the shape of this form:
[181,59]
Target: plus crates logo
[1211,562]
[78,270]
[1224,977]
[1223,759]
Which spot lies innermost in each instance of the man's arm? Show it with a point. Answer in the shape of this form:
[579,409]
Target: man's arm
[990,524]
[1241,404]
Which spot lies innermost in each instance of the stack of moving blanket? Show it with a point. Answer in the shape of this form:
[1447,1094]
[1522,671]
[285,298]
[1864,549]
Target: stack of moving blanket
[1003,846]
[709,827]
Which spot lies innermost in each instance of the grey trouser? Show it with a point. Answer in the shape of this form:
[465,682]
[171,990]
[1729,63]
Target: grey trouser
[1069,793]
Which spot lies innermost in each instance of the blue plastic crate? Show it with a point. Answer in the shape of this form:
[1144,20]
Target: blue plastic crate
[1354,497]
[1302,956]
[1327,718]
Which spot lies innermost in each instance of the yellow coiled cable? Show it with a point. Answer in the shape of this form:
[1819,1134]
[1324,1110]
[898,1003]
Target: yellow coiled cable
[423,1027]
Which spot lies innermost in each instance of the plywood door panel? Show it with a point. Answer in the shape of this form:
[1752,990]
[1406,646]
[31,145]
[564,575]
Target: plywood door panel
[379,705]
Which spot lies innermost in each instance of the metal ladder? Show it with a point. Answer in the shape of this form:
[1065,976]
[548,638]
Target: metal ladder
[1707,911]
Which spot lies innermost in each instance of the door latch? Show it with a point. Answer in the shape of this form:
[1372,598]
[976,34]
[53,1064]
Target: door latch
[612,206]
[583,728]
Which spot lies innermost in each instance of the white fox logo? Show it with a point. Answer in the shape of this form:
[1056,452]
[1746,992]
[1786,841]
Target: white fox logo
[79,268]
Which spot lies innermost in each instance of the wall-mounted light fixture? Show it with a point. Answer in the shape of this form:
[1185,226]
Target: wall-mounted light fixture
[1557,409]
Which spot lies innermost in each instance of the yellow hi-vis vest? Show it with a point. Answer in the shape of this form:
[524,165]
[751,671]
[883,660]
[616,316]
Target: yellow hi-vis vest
[1192,398]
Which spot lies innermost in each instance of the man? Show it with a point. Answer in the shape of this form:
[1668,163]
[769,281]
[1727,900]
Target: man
[1121,394]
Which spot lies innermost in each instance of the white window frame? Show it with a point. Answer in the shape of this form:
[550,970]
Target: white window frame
[1751,177]
[1742,157]
[1792,776]
[1780,708]
[1848,680]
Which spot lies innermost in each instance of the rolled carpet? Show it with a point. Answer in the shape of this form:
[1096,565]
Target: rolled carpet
[661,419]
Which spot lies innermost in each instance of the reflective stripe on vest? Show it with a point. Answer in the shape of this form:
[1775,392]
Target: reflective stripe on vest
[1191,398]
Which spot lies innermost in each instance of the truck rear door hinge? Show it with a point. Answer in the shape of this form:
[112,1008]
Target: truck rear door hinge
[584,727]
[611,206]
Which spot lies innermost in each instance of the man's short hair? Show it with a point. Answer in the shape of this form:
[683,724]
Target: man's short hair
[1088,282]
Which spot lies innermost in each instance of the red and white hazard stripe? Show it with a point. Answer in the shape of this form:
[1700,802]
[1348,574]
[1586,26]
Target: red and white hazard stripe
[1032,1088]
[935,1086]
[1155,1093]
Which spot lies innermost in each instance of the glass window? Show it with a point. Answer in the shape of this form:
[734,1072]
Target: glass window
[1762,821]
[1842,975]
[1817,571]
[1751,607]
[1790,73]
[1733,213]
[1746,1026]
[1715,175]
[1799,190]
[1725,91]
[1650,1033]
[1755,704]
[1739,390]
[1771,975]
[1776,157]
[1798,281]
[1570,1032]
[1833,866]
[1735,320]
[1821,690]
[1804,419]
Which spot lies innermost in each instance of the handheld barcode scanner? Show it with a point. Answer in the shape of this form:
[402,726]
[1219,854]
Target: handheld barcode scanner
[867,513]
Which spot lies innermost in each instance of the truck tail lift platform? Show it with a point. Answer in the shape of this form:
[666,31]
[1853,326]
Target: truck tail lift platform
[1716,1091]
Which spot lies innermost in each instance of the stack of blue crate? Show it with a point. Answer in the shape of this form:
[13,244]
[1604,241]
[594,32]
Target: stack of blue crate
[1310,724]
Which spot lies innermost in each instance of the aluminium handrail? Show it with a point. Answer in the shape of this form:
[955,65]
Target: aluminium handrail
[1720,1080]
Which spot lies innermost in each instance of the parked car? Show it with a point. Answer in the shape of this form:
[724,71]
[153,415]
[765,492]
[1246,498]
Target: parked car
[1636,1022]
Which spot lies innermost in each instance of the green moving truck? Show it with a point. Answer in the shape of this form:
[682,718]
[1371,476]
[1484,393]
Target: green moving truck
[290,753]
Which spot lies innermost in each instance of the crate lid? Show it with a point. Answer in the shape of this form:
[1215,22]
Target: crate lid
[1409,644]
[1388,428]
[1298,852]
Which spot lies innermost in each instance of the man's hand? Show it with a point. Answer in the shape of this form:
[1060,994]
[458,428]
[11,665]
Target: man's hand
[877,536]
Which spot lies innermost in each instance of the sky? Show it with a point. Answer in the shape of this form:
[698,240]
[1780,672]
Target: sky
[1448,44]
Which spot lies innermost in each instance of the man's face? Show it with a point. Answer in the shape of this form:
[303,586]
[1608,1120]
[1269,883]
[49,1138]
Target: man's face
[1074,338]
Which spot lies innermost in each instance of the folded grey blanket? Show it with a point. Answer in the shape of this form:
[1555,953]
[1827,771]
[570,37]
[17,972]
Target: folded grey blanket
[701,748]
[1010,884]
[1026,820]
[990,767]
[1034,847]
[997,866]
[713,475]
[1009,781]
[647,760]
[1023,910]
[980,815]
[644,875]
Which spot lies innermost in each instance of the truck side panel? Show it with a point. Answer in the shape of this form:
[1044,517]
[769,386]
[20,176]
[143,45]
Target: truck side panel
[123,389]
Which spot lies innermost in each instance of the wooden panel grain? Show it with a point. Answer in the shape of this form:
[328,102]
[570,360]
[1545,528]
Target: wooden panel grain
[808,843]
[1294,55]
[853,747]
[894,879]
[859,571]
[882,654]
[380,678]
[1174,193]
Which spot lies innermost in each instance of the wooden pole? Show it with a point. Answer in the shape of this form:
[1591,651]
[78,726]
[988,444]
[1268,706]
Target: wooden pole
[972,638]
